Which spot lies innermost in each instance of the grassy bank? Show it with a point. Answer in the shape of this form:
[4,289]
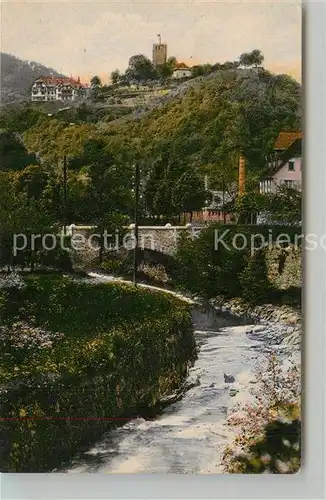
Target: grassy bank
[76,354]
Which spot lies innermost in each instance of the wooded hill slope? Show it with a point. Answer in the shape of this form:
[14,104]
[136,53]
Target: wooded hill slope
[210,119]
[199,131]
[18,75]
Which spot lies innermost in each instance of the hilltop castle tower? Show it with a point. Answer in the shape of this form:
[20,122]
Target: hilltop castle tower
[159,52]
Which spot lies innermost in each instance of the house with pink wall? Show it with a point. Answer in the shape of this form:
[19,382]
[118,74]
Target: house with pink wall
[284,165]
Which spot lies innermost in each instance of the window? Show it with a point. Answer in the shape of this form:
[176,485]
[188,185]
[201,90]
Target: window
[266,186]
[291,166]
[290,183]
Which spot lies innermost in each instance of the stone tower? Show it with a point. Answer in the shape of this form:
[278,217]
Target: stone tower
[159,52]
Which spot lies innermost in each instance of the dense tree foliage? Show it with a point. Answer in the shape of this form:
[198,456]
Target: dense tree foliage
[96,81]
[140,68]
[285,205]
[13,153]
[115,76]
[19,118]
[254,58]
[96,85]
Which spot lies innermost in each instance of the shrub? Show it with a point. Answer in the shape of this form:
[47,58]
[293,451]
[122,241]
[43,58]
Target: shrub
[211,270]
[212,267]
[156,273]
[34,255]
[254,280]
[58,258]
[112,266]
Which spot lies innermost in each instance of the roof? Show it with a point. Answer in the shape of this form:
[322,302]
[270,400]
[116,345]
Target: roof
[181,65]
[54,80]
[293,151]
[285,139]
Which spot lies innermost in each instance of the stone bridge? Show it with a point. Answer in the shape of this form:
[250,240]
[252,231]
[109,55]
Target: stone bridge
[162,239]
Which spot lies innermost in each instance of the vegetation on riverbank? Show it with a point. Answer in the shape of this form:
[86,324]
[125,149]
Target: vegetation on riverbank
[75,355]
[237,267]
[268,430]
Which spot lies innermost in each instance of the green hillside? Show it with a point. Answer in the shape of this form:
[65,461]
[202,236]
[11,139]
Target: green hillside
[200,128]
[215,117]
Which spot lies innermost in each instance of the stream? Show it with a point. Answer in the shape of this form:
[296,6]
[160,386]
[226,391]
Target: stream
[189,435]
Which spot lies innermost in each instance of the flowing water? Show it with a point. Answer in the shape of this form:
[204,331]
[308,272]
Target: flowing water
[189,435]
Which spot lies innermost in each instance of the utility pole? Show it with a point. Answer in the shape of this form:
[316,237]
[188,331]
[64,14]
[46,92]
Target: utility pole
[64,201]
[137,182]
[223,199]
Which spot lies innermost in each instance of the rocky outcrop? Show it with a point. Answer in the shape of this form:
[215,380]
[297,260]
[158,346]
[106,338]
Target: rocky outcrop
[268,312]
[278,324]
[284,266]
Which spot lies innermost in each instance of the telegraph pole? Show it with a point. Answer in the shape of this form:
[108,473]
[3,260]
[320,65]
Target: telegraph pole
[64,201]
[137,182]
[223,199]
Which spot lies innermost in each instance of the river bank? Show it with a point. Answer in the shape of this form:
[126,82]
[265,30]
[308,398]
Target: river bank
[233,338]
[287,319]
[80,356]
[191,435]
[259,312]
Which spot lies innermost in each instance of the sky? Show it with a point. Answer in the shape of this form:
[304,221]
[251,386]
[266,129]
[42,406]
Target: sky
[83,38]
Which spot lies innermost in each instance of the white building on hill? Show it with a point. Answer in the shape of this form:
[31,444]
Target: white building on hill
[181,70]
[49,88]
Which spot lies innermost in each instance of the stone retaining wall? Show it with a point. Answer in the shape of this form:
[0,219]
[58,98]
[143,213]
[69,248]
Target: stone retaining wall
[286,319]
[284,267]
[268,312]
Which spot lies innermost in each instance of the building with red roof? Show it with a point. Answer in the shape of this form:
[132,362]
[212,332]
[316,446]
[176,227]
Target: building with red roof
[284,164]
[285,139]
[53,88]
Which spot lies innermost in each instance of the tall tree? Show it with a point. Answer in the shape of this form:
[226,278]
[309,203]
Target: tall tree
[115,76]
[96,85]
[140,68]
[109,191]
[164,71]
[96,82]
[189,193]
[19,214]
[172,61]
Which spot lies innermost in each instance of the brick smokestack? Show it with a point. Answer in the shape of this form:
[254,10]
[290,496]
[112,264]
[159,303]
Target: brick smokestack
[242,174]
